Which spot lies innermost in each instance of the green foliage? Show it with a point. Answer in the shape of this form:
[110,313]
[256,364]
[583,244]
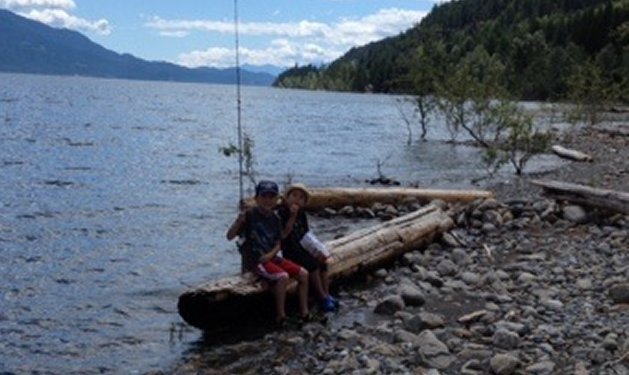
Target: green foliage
[248,158]
[467,92]
[474,100]
[538,42]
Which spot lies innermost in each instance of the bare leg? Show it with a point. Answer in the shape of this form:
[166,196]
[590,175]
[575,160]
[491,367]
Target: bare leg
[325,282]
[280,298]
[302,278]
[315,281]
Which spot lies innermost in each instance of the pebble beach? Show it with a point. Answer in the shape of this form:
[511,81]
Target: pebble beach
[523,284]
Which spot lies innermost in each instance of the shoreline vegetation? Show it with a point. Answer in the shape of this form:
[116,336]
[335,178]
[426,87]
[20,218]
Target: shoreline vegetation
[523,284]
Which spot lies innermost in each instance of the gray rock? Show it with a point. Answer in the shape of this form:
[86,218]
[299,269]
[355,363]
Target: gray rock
[505,339]
[461,257]
[472,367]
[412,295]
[493,217]
[434,280]
[404,336]
[381,273]
[390,305]
[365,212]
[423,321]
[541,368]
[518,328]
[489,228]
[526,278]
[585,284]
[470,278]
[446,268]
[504,364]
[610,342]
[619,293]
[552,304]
[450,240]
[580,368]
[574,214]
[433,352]
[347,211]
[489,204]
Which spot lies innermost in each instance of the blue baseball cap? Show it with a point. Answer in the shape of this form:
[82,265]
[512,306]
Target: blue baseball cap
[267,187]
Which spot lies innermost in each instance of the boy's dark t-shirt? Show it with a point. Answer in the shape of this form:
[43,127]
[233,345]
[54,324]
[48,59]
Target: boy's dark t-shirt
[291,245]
[261,233]
[300,228]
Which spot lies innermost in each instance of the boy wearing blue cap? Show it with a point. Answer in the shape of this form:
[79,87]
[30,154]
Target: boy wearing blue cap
[262,231]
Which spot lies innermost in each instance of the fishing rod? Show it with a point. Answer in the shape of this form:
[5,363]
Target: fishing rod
[238,104]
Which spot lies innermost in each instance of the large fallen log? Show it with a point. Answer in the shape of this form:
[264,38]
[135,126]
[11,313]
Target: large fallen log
[616,201]
[339,197]
[222,301]
[571,154]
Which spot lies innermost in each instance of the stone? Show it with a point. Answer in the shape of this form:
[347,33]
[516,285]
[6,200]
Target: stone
[472,317]
[424,320]
[489,204]
[347,211]
[472,367]
[619,293]
[446,268]
[505,339]
[504,364]
[461,257]
[390,305]
[404,336]
[541,368]
[574,214]
[470,278]
[381,273]
[580,368]
[492,217]
[433,352]
[412,295]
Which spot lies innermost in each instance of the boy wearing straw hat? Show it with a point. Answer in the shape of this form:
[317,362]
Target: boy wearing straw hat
[301,246]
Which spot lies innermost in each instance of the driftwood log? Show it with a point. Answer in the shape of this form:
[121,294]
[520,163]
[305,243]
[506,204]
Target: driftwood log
[222,301]
[365,197]
[616,201]
[571,154]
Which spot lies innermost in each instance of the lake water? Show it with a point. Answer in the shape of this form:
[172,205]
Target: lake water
[115,198]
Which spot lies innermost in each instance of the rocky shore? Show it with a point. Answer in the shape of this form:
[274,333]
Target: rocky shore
[522,285]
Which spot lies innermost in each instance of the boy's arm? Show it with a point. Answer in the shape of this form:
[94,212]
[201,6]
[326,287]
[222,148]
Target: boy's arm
[271,254]
[292,216]
[234,229]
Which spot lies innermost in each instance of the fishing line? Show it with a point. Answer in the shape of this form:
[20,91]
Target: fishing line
[238,104]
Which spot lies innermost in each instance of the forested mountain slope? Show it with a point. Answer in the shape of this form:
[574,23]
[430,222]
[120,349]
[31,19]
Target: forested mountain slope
[541,46]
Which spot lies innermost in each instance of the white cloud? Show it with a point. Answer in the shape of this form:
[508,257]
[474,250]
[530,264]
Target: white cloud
[16,4]
[55,13]
[61,18]
[304,42]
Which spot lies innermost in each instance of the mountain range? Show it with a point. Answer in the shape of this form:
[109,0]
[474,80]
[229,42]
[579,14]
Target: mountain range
[32,47]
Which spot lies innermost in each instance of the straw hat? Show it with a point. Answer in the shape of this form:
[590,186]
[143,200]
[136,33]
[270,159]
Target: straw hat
[300,187]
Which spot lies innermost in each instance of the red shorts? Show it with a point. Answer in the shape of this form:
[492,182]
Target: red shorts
[277,268]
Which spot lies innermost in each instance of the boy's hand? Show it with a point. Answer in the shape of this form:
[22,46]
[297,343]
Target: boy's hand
[294,209]
[321,258]
[266,257]
[234,229]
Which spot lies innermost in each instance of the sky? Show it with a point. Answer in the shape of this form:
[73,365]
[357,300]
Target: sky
[197,33]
